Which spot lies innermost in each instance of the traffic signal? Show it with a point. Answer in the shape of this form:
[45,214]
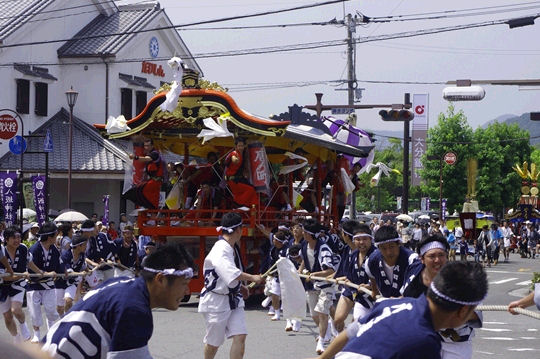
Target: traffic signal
[395,115]
[535,116]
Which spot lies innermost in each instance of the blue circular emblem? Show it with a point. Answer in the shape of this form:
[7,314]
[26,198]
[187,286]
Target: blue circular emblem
[154,47]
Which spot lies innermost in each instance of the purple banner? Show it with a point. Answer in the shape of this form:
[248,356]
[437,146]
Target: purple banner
[105,220]
[9,197]
[443,209]
[40,193]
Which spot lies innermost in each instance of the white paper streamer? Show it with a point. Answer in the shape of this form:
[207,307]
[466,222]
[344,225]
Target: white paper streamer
[171,100]
[290,168]
[116,124]
[216,129]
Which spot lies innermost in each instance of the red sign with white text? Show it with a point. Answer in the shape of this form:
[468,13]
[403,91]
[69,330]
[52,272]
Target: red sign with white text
[152,69]
[8,127]
[450,158]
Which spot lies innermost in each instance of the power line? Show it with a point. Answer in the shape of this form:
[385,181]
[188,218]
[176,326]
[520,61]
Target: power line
[264,13]
[247,27]
[455,13]
[303,46]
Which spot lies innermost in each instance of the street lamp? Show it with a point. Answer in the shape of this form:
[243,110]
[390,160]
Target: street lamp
[71,96]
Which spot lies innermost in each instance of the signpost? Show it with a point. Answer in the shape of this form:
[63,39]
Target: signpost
[8,126]
[17,145]
[450,158]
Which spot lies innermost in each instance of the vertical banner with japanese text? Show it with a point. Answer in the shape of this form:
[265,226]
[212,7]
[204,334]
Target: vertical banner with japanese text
[443,209]
[105,219]
[258,165]
[419,134]
[40,194]
[9,197]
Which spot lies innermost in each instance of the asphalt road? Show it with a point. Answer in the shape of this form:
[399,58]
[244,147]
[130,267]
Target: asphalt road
[179,334]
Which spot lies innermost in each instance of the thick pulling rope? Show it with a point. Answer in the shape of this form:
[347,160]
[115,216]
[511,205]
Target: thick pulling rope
[504,308]
[484,308]
[343,282]
[63,275]
[264,275]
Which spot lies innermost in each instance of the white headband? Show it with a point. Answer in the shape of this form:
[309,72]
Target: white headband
[452,300]
[47,233]
[347,233]
[279,240]
[431,245]
[397,239]
[305,230]
[228,229]
[188,272]
[362,235]
[283,228]
[87,229]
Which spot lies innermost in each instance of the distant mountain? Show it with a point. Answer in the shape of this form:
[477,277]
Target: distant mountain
[523,122]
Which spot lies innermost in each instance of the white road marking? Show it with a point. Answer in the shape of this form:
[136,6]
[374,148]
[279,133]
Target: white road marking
[496,329]
[497,323]
[528,338]
[507,272]
[503,281]
[527,282]
[481,352]
[521,349]
[499,338]
[531,330]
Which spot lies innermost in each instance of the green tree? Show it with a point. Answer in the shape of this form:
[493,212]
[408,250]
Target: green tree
[452,133]
[382,197]
[499,147]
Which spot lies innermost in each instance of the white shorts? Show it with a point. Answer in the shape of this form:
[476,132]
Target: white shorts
[320,301]
[224,324]
[59,297]
[275,288]
[70,292]
[123,273]
[359,311]
[94,278]
[6,305]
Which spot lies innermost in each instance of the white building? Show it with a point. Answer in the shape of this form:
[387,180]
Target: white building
[112,55]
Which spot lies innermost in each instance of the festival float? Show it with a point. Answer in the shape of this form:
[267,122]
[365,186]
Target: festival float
[527,207]
[192,117]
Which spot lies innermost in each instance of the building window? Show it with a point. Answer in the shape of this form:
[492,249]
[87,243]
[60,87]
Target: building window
[140,101]
[127,103]
[23,96]
[41,98]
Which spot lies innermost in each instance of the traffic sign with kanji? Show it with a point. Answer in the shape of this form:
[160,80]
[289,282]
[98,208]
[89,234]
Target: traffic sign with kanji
[8,126]
[450,158]
[17,145]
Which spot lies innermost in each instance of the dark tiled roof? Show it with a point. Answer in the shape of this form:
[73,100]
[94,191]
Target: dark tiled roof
[135,81]
[128,18]
[14,14]
[34,71]
[91,152]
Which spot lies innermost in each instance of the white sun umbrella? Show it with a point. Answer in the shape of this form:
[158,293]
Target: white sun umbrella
[354,136]
[71,216]
[404,217]
[27,213]
[424,216]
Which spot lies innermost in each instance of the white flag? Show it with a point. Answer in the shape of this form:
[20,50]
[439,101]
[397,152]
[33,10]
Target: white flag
[293,295]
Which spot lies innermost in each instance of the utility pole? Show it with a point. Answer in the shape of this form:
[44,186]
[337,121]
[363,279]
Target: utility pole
[351,75]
